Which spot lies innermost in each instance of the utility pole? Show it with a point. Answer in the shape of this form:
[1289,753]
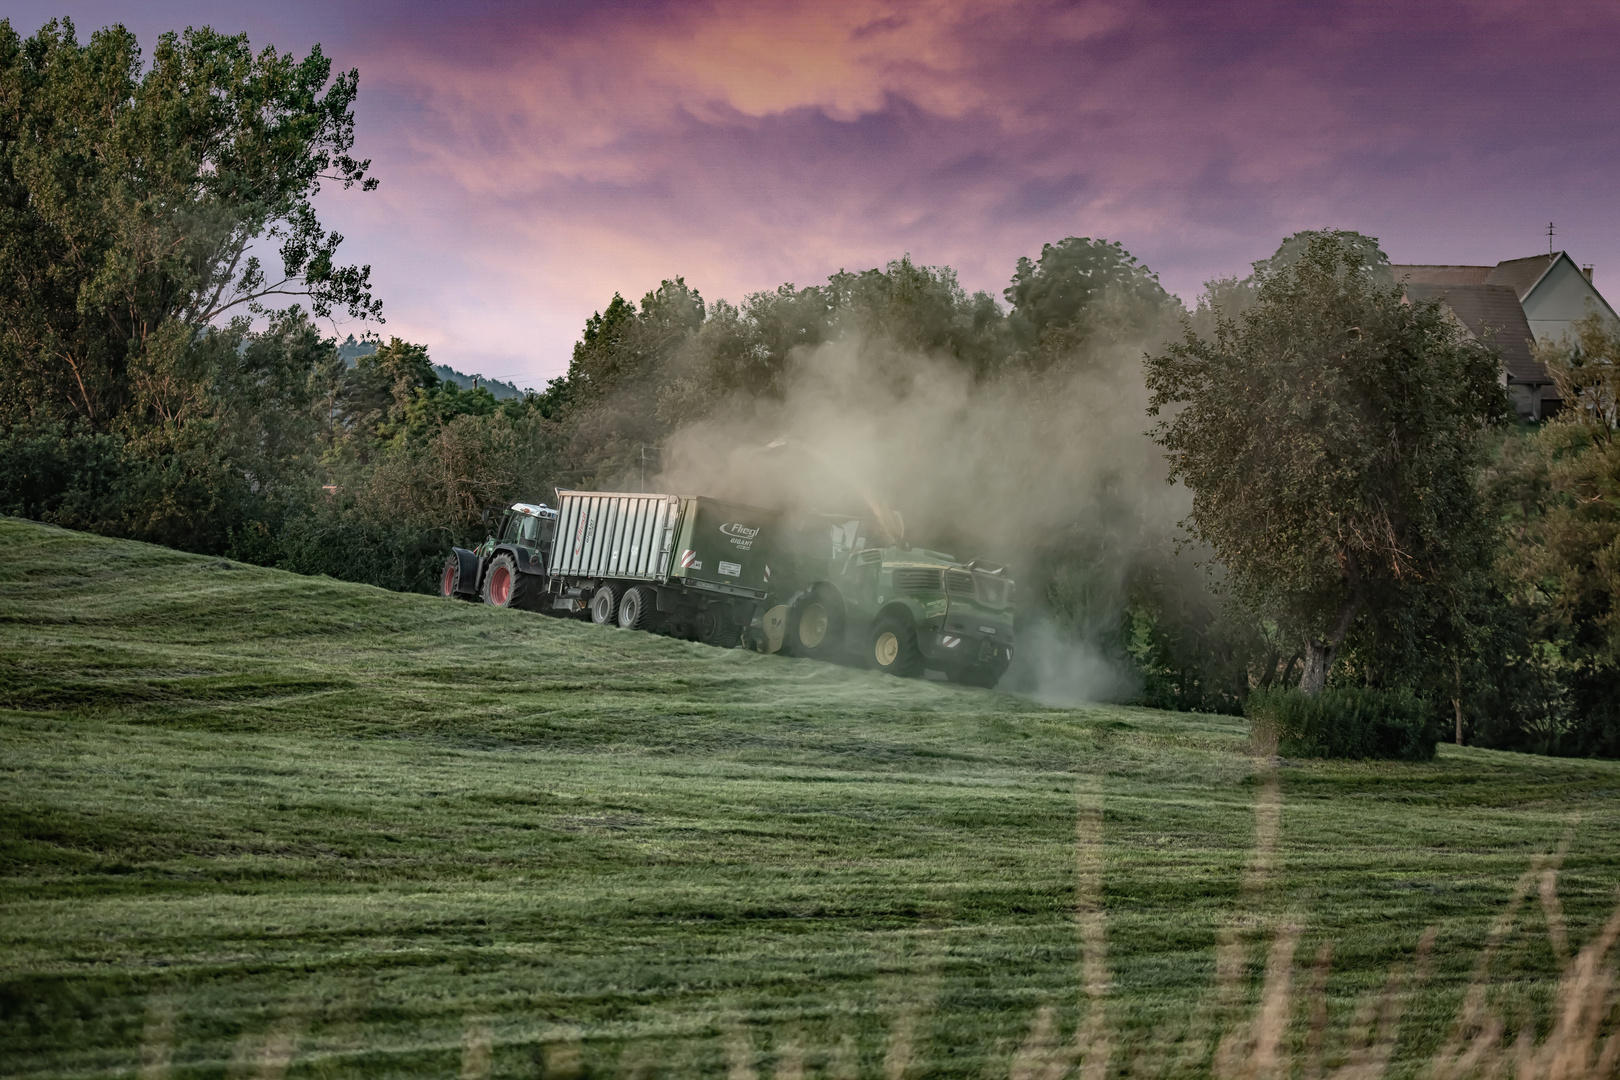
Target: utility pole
[1549,239]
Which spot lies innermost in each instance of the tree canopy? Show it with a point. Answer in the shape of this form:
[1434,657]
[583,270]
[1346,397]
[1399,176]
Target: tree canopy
[135,206]
[1331,436]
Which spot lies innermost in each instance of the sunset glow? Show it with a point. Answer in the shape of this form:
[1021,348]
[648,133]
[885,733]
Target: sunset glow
[536,159]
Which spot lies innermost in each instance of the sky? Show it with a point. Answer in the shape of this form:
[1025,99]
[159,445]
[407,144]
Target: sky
[536,158]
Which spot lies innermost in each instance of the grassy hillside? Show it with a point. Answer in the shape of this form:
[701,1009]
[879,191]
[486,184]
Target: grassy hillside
[253,823]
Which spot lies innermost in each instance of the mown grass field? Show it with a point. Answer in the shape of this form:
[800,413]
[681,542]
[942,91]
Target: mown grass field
[258,824]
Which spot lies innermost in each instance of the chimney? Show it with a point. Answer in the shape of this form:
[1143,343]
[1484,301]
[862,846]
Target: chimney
[1587,270]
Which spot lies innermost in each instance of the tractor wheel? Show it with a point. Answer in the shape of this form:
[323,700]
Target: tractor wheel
[528,592]
[501,583]
[815,626]
[638,609]
[604,605]
[447,581]
[893,647]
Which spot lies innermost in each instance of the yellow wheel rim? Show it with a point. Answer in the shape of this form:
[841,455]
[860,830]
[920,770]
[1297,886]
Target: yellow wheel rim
[813,626]
[886,648]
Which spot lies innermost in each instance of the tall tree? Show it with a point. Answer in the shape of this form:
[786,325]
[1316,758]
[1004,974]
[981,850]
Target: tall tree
[1331,436]
[1083,292]
[134,204]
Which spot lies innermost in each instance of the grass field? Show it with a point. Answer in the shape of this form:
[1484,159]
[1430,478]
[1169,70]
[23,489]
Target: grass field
[255,824]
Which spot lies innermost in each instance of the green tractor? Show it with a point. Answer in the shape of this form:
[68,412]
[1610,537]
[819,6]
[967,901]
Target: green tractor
[894,607]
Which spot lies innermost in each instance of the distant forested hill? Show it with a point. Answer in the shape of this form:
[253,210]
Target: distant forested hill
[351,350]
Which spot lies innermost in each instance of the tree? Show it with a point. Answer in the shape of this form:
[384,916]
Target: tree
[1083,292]
[1565,556]
[1331,436]
[132,204]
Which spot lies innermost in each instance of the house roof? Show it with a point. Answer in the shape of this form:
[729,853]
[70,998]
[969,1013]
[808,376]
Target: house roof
[1436,274]
[1522,274]
[1491,311]
[1519,274]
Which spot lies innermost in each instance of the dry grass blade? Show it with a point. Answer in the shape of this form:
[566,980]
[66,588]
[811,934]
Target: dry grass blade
[1093,1042]
[739,1053]
[1319,1011]
[157,1038]
[1585,1000]
[477,1047]
[269,1058]
[1370,1058]
[789,1060]
[563,1056]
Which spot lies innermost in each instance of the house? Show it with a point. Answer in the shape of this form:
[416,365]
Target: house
[1517,303]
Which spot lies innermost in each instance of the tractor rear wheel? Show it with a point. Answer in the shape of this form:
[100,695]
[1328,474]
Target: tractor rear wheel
[638,608]
[604,605]
[500,584]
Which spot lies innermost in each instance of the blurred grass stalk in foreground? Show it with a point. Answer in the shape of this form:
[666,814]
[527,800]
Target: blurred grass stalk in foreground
[1249,1043]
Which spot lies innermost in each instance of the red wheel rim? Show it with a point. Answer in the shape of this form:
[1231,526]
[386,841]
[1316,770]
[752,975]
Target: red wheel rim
[500,586]
[447,586]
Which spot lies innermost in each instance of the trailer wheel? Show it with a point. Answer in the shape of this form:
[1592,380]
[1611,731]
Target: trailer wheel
[604,605]
[893,648]
[637,609]
[724,634]
[816,625]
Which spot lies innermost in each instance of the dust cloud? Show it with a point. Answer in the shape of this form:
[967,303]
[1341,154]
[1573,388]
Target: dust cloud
[1044,472]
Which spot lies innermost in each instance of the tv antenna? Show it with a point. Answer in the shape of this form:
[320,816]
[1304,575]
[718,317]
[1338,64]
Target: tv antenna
[1549,239]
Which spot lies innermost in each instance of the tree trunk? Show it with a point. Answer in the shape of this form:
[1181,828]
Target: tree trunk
[1318,658]
[1319,654]
[1456,705]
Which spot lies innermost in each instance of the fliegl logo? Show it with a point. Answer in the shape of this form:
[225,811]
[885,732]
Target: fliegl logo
[741,536]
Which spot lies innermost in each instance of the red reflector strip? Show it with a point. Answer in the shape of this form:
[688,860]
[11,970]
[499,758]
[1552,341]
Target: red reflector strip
[688,557]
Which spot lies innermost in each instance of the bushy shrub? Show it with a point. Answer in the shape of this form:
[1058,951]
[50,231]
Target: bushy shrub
[1344,722]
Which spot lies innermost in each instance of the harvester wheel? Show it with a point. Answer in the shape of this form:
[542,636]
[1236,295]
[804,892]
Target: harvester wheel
[816,625]
[604,605]
[894,647]
[638,608]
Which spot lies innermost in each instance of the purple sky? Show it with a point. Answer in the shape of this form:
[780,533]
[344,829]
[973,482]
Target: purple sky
[536,158]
